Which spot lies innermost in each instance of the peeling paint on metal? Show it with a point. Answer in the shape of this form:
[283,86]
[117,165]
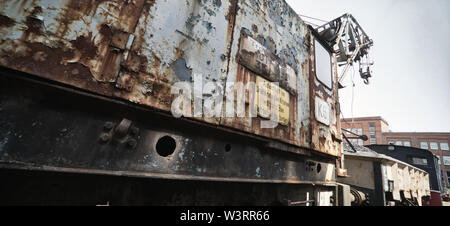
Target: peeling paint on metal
[136,50]
[3,143]
[181,70]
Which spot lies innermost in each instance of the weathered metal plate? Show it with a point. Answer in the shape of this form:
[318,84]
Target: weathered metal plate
[284,108]
[270,41]
[134,50]
[264,92]
[137,50]
[262,61]
[325,121]
[323,111]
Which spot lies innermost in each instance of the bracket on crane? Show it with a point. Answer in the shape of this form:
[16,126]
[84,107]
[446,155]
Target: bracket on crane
[350,43]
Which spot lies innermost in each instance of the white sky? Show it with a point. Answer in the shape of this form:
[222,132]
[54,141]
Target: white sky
[410,83]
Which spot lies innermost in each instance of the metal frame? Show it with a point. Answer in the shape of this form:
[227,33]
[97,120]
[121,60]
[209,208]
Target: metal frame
[349,41]
[315,63]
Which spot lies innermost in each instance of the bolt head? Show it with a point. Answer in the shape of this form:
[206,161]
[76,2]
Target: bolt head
[104,138]
[132,143]
[108,126]
[134,131]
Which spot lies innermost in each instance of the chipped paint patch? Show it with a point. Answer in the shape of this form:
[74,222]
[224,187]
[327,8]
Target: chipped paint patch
[3,143]
[6,21]
[181,154]
[258,172]
[181,70]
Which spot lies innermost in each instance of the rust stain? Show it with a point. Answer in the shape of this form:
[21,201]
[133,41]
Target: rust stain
[179,52]
[85,47]
[126,81]
[119,39]
[84,6]
[74,74]
[255,28]
[106,30]
[6,21]
[135,62]
[232,10]
[129,14]
[34,25]
[156,62]
[111,65]
[231,18]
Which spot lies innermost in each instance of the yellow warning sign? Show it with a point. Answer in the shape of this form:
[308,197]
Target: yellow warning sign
[264,91]
[284,108]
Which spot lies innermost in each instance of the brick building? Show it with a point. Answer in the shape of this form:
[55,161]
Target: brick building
[437,143]
[373,127]
[377,129]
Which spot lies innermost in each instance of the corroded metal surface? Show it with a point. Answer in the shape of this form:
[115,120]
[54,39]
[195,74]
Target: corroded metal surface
[66,132]
[137,49]
[282,34]
[324,137]
[406,180]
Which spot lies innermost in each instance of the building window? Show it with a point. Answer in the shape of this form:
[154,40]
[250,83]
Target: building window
[420,161]
[398,143]
[372,129]
[448,177]
[360,132]
[439,159]
[447,160]
[373,139]
[407,143]
[444,146]
[434,146]
[323,65]
[424,145]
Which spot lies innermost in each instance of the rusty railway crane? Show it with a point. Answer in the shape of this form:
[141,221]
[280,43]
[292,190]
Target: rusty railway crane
[87,91]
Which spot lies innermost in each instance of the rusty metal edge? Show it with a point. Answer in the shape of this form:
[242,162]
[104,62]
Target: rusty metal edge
[31,167]
[382,159]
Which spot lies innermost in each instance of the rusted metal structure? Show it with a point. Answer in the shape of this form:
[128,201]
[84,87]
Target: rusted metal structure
[86,87]
[351,44]
[421,159]
[380,180]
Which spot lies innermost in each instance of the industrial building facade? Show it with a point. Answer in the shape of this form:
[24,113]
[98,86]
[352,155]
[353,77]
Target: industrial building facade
[373,127]
[377,130]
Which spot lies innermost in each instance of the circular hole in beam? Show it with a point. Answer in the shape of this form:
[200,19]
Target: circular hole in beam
[166,146]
